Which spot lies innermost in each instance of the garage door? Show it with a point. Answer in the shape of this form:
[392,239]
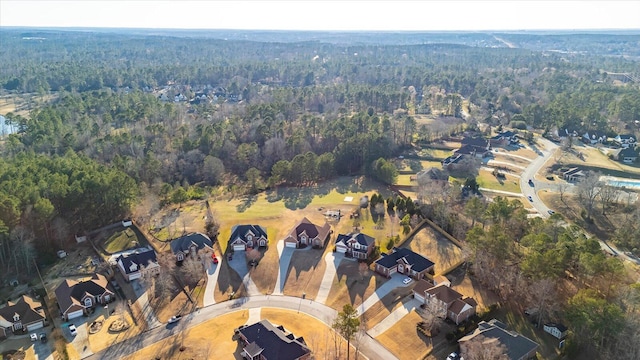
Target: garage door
[238,247]
[418,297]
[137,275]
[74,314]
[341,249]
[36,326]
[290,244]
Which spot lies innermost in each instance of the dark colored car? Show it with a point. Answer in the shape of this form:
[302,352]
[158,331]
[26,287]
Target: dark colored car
[43,337]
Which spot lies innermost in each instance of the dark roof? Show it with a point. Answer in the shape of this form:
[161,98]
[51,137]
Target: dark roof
[240,231]
[26,307]
[626,136]
[560,327]
[516,344]
[253,349]
[467,150]
[422,286]
[361,238]
[274,342]
[594,134]
[432,173]
[70,292]
[418,262]
[312,230]
[444,293]
[628,152]
[185,242]
[458,305]
[140,259]
[475,142]
[508,133]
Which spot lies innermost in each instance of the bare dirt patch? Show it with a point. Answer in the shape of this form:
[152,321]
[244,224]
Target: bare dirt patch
[354,282]
[209,340]
[404,341]
[305,273]
[435,247]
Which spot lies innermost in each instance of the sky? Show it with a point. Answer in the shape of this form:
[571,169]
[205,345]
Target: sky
[416,15]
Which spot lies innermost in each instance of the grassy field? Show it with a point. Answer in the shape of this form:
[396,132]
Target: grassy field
[438,154]
[381,309]
[209,340]
[432,245]
[104,338]
[354,282]
[405,180]
[404,341]
[305,272]
[595,160]
[120,241]
[487,180]
[506,157]
[317,335]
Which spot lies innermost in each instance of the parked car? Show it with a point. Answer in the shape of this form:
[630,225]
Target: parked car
[453,356]
[551,212]
[214,258]
[530,198]
[175,319]
[33,337]
[73,330]
[406,281]
[43,337]
[530,182]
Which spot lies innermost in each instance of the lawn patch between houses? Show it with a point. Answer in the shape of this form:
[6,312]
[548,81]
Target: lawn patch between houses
[354,283]
[404,341]
[305,273]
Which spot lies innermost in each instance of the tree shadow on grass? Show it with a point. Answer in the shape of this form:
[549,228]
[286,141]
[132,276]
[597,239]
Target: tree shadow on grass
[304,261]
[246,203]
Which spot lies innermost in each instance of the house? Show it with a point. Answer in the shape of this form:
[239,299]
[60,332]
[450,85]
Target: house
[573,174]
[189,245]
[179,97]
[518,347]
[404,261]
[431,175]
[23,315]
[75,298]
[441,279]
[474,146]
[559,331]
[264,341]
[505,138]
[133,265]
[247,236]
[625,140]
[357,245]
[446,301]
[594,137]
[627,155]
[307,233]
[567,132]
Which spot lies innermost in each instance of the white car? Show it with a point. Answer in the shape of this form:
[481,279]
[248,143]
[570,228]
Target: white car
[406,281]
[175,319]
[73,330]
[33,337]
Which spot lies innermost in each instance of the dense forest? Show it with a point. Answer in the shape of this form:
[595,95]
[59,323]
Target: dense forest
[117,114]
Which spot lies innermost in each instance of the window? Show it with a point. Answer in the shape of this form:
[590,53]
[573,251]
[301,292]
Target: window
[88,302]
[16,318]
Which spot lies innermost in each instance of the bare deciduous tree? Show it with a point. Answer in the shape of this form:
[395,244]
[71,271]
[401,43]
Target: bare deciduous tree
[483,348]
[192,270]
[562,189]
[588,189]
[544,298]
[607,195]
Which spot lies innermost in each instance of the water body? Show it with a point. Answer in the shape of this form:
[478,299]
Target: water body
[629,184]
[6,129]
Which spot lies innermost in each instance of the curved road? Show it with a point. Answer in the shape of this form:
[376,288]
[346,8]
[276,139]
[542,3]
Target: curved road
[529,173]
[369,347]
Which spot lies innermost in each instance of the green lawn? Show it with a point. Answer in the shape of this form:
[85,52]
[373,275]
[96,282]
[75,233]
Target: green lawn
[405,180]
[487,180]
[435,153]
[121,240]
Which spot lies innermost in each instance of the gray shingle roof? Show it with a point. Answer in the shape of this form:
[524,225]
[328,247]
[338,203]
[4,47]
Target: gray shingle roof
[419,263]
[140,259]
[517,345]
[273,341]
[185,242]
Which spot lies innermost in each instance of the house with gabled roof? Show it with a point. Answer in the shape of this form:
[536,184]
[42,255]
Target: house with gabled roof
[627,155]
[190,245]
[445,300]
[557,330]
[306,233]
[404,261]
[518,347]
[134,265]
[594,137]
[247,236]
[625,140]
[357,245]
[20,316]
[264,341]
[75,298]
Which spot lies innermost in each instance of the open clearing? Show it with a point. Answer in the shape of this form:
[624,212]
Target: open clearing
[318,336]
[595,160]
[305,272]
[487,180]
[435,247]
[121,240]
[381,309]
[404,341]
[209,340]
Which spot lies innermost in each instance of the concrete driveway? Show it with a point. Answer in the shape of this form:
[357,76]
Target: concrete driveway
[284,254]
[239,264]
[393,318]
[212,281]
[81,341]
[43,350]
[143,303]
[382,291]
[332,260]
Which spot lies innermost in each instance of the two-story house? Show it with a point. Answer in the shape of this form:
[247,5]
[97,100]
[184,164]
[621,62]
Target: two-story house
[357,245]
[134,265]
[625,140]
[247,236]
[404,261]
[445,301]
[307,233]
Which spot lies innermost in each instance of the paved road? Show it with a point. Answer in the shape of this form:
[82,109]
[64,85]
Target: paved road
[507,193]
[371,349]
[239,264]
[529,173]
[382,291]
[332,260]
[212,281]
[393,318]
